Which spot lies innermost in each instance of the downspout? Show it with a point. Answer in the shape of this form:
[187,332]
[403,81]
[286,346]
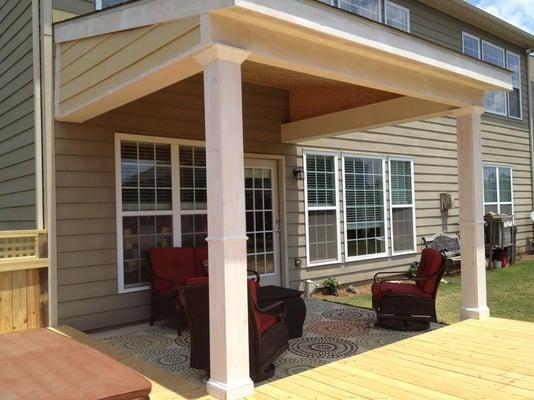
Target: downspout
[530,67]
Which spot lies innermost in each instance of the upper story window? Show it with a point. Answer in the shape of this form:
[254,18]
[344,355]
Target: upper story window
[395,15]
[101,4]
[498,102]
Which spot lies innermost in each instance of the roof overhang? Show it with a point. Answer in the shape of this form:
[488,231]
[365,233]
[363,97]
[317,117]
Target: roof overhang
[95,75]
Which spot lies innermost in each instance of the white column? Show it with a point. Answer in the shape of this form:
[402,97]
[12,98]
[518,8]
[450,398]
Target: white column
[229,375]
[470,187]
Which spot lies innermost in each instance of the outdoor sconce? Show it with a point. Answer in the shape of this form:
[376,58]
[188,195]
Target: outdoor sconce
[299,173]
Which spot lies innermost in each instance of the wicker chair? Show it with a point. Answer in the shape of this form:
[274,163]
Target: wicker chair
[403,305]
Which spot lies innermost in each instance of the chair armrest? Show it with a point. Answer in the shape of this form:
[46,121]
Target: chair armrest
[394,275]
[256,275]
[271,307]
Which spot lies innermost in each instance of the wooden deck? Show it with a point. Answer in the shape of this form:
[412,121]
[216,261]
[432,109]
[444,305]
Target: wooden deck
[489,359]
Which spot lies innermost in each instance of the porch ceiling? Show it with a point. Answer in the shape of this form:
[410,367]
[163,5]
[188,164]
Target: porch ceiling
[300,46]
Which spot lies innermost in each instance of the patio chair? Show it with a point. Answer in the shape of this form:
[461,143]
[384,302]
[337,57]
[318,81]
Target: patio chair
[409,306]
[171,268]
[268,337]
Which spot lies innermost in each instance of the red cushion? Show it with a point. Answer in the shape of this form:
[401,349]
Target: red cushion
[431,262]
[379,289]
[171,267]
[201,256]
[263,320]
[197,280]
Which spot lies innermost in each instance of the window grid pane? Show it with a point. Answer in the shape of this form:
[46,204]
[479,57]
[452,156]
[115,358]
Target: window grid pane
[513,63]
[322,234]
[498,190]
[397,17]
[471,46]
[401,182]
[402,205]
[364,206]
[320,178]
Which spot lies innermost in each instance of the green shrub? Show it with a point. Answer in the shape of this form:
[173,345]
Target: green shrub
[331,285]
[413,269]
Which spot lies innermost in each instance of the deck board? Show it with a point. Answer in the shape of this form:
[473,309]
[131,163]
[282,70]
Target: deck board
[488,359]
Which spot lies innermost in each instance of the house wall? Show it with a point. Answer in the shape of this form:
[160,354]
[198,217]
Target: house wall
[86,224]
[17,135]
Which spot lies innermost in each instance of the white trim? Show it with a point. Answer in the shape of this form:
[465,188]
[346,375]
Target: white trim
[505,114]
[398,6]
[464,34]
[412,206]
[175,211]
[98,5]
[305,152]
[498,203]
[520,118]
[384,194]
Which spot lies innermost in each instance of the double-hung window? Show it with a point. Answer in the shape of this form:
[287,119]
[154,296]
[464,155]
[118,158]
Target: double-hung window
[498,192]
[322,209]
[402,205]
[161,201]
[366,8]
[496,100]
[396,16]
[513,63]
[364,183]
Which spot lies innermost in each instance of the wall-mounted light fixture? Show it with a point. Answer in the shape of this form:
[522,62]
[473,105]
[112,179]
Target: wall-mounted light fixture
[298,173]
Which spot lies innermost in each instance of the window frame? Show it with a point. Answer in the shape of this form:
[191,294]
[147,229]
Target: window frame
[395,5]
[520,118]
[305,153]
[384,195]
[498,203]
[98,5]
[466,34]
[176,212]
[335,3]
[482,42]
[391,207]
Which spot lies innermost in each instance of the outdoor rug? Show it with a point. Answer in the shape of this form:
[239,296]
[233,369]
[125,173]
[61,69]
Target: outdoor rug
[331,331]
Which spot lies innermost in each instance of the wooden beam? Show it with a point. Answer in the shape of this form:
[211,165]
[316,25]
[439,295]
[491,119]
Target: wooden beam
[384,113]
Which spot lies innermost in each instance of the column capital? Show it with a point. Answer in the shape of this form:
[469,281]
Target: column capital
[460,112]
[219,51]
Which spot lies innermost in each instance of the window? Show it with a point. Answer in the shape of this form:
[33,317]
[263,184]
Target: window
[322,216]
[150,213]
[499,102]
[495,101]
[365,202]
[471,45]
[513,63]
[101,4]
[498,193]
[402,205]
[397,16]
[366,8]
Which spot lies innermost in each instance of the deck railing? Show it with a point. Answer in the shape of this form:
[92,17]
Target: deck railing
[23,280]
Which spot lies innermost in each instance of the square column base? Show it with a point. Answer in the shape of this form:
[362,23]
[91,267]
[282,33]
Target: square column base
[224,391]
[474,313]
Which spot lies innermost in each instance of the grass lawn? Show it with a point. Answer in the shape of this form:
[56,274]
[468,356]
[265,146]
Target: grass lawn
[510,295]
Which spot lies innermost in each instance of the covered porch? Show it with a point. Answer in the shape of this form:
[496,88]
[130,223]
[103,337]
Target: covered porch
[343,74]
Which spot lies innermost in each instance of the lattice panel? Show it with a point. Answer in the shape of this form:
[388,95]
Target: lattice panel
[19,246]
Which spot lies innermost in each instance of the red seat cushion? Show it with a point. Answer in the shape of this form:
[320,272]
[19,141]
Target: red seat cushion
[171,267]
[201,257]
[263,320]
[430,264]
[197,280]
[379,289]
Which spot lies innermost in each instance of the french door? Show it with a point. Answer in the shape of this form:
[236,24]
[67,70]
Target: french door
[263,223]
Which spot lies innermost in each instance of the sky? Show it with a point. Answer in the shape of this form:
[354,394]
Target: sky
[517,12]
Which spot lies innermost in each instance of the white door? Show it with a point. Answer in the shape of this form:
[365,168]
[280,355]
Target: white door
[263,224]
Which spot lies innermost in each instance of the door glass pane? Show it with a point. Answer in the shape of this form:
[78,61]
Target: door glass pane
[259,219]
